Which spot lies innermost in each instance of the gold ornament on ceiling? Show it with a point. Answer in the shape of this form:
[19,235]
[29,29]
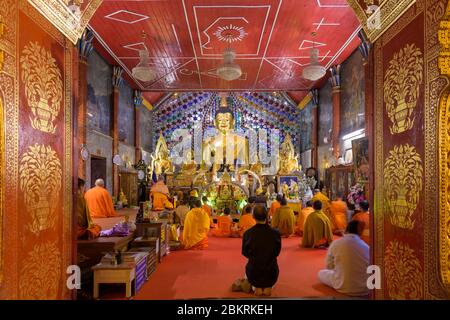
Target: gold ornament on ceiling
[402,184]
[43,86]
[40,276]
[403,272]
[402,87]
[40,182]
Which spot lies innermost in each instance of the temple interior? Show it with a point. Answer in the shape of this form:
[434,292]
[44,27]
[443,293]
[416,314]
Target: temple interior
[145,143]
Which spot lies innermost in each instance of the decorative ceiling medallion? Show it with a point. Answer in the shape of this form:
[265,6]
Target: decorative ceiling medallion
[230,33]
[126,16]
[62,16]
[376,19]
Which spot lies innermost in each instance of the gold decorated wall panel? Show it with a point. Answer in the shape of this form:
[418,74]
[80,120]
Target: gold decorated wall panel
[407,88]
[38,155]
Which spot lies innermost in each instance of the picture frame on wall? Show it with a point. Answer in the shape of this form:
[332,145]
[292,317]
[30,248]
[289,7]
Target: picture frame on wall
[360,149]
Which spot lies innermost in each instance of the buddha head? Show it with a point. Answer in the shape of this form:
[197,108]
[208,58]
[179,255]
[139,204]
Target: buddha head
[224,120]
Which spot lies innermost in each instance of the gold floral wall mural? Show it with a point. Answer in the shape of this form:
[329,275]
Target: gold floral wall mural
[2,154]
[40,182]
[403,184]
[403,272]
[43,86]
[402,87]
[41,272]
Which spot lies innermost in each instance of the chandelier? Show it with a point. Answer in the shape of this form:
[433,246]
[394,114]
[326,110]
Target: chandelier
[314,71]
[229,70]
[143,72]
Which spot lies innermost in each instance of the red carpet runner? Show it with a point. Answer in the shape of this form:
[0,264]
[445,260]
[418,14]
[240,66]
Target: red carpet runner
[210,273]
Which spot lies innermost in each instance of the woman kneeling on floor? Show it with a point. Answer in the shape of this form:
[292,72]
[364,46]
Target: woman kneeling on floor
[261,245]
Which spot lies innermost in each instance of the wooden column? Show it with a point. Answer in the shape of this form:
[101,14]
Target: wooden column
[84,50]
[116,81]
[315,128]
[336,100]
[137,125]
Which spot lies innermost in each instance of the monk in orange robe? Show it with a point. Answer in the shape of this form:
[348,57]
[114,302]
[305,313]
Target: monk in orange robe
[160,196]
[246,221]
[86,228]
[326,204]
[338,211]
[302,216]
[196,228]
[99,201]
[208,210]
[364,221]
[275,205]
[224,224]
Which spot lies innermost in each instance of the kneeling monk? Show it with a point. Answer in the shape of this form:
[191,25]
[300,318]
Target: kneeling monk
[224,224]
[160,196]
[283,219]
[86,228]
[246,221]
[99,201]
[196,227]
[317,231]
[338,211]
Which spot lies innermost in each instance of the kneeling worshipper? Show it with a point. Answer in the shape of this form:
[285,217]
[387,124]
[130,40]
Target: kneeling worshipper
[196,228]
[160,196]
[99,201]
[224,224]
[275,205]
[302,216]
[317,231]
[246,221]
[326,203]
[284,219]
[346,263]
[363,217]
[86,228]
[338,211]
[181,211]
[261,245]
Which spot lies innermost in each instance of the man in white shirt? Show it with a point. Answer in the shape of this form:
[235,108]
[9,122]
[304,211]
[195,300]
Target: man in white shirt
[346,264]
[181,212]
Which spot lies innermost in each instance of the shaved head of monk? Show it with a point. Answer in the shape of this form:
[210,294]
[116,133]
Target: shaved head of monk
[100,183]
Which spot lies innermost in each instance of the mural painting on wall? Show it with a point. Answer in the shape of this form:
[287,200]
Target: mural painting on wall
[325,114]
[305,127]
[146,126]
[43,86]
[352,94]
[2,165]
[126,114]
[360,148]
[99,94]
[403,173]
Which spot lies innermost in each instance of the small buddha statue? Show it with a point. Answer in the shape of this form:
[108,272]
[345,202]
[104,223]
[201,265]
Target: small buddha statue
[160,159]
[288,161]
[189,167]
[123,198]
[256,167]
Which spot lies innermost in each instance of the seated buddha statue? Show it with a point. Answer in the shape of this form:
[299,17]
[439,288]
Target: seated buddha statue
[256,167]
[288,161]
[226,149]
[161,162]
[189,167]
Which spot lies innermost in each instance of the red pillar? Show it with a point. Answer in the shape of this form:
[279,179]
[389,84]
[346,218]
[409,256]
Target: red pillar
[137,125]
[315,128]
[336,99]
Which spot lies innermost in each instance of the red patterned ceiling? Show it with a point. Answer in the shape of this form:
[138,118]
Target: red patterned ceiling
[185,40]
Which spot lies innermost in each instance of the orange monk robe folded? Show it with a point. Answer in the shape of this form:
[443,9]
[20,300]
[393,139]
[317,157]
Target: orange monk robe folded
[246,222]
[317,230]
[302,216]
[273,207]
[86,228]
[284,221]
[326,204]
[196,227]
[224,224]
[364,225]
[99,203]
[339,215]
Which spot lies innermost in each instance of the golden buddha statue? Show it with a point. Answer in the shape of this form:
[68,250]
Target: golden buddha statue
[288,161]
[257,166]
[123,198]
[226,149]
[160,159]
[189,167]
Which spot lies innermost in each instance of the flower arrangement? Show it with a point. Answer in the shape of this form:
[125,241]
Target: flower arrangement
[356,194]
